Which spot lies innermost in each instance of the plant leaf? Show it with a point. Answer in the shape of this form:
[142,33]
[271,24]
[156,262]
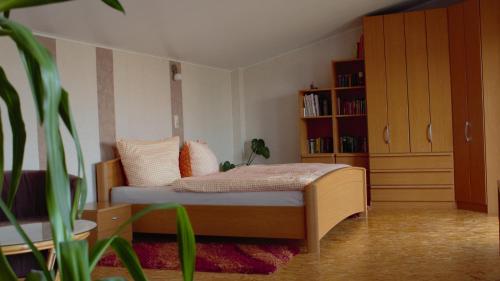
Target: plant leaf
[36,275]
[11,99]
[187,244]
[38,256]
[124,251]
[115,4]
[46,88]
[74,260]
[6,5]
[81,186]
[6,272]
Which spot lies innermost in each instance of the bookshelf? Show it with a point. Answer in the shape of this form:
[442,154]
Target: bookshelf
[344,123]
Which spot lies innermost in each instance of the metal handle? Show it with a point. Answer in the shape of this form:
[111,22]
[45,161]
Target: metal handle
[467,126]
[115,218]
[387,134]
[429,132]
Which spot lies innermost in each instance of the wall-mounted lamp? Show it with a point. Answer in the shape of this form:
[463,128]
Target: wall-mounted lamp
[176,75]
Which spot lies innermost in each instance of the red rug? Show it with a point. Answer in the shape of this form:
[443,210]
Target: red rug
[212,256]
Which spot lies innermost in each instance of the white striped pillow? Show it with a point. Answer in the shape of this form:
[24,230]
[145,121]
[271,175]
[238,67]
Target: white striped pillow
[150,163]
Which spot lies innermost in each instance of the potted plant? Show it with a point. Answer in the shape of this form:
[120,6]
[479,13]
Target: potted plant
[258,147]
[74,260]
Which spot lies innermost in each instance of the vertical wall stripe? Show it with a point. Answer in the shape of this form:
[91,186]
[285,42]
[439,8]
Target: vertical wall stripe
[106,102]
[50,44]
[176,102]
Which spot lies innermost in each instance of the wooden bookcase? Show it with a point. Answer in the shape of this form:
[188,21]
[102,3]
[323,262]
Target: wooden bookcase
[346,122]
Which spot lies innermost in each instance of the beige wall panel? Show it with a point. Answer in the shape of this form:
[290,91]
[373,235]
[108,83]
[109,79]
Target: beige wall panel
[142,96]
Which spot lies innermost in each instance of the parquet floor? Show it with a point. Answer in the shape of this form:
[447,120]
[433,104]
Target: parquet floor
[401,244]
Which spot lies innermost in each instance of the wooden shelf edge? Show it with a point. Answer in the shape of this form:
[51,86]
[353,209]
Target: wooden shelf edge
[350,115]
[348,60]
[317,117]
[349,88]
[353,154]
[316,90]
[317,155]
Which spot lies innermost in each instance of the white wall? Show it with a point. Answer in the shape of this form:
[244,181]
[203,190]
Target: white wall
[11,63]
[271,87]
[82,88]
[207,108]
[142,96]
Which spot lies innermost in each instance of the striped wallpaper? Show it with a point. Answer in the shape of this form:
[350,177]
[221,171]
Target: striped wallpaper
[119,94]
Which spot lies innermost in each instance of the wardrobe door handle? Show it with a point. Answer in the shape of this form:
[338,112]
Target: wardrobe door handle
[387,134]
[467,127]
[429,133]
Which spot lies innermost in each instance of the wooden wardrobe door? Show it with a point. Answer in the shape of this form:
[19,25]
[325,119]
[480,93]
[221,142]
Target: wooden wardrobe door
[439,80]
[458,77]
[375,84]
[397,98]
[472,35]
[418,81]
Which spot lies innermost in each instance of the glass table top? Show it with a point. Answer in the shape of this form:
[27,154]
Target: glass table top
[37,232]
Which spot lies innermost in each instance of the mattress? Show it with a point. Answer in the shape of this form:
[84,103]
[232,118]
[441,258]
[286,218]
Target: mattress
[164,194]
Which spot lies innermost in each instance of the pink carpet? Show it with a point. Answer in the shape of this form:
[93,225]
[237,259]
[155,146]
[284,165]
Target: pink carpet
[218,256]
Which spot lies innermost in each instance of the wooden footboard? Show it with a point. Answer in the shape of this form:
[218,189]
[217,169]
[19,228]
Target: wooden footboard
[328,201]
[331,199]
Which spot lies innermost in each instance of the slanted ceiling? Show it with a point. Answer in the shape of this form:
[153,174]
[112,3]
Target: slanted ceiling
[220,33]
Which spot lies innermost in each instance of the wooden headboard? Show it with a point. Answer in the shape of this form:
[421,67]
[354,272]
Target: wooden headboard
[109,174]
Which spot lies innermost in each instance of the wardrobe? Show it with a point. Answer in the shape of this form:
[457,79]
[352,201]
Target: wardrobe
[433,100]
[409,107]
[474,35]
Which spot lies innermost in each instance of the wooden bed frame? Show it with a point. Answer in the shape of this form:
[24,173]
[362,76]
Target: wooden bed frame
[328,201]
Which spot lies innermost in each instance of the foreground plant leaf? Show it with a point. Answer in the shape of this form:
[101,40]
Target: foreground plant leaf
[74,260]
[81,185]
[11,98]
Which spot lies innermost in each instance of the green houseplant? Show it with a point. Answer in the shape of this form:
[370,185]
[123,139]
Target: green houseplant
[52,105]
[258,147]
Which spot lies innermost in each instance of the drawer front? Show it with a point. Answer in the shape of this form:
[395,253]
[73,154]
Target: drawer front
[126,234]
[411,178]
[396,162]
[327,160]
[413,195]
[111,219]
[355,161]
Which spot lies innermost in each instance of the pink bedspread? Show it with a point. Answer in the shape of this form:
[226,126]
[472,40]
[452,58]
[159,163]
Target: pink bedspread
[282,177]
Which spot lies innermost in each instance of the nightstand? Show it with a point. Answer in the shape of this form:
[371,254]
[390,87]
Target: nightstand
[108,217]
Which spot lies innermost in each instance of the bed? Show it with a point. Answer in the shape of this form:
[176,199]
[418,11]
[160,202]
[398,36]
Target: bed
[305,215]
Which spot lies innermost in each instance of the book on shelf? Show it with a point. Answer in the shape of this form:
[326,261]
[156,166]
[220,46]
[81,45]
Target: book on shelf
[320,145]
[317,105]
[351,144]
[351,79]
[351,107]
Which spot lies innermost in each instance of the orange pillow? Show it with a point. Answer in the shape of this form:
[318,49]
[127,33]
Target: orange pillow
[185,161]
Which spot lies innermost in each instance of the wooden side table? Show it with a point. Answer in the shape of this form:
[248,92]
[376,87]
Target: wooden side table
[108,217]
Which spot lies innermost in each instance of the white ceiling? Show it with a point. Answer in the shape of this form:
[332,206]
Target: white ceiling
[219,33]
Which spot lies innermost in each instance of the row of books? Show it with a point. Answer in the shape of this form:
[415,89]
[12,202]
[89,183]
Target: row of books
[320,145]
[350,144]
[317,105]
[351,79]
[351,107]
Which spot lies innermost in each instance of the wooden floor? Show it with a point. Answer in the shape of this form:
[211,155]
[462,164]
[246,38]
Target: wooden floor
[389,245]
